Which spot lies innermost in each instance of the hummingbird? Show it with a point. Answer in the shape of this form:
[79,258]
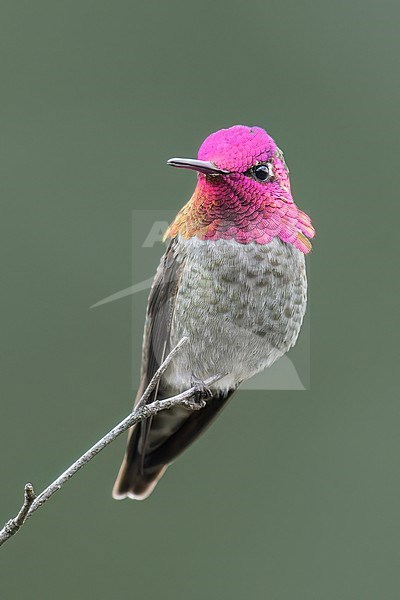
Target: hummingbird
[233,280]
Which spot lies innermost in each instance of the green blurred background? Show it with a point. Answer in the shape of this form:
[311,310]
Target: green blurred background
[291,495]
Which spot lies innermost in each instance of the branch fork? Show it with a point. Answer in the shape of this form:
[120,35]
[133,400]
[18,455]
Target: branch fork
[189,399]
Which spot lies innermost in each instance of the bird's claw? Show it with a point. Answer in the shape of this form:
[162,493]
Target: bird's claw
[201,393]
[194,403]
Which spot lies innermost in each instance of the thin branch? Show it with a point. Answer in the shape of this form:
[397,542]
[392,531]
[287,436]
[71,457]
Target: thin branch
[140,412]
[160,372]
[12,526]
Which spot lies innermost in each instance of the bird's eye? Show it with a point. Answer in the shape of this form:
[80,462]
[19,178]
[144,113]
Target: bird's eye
[261,172]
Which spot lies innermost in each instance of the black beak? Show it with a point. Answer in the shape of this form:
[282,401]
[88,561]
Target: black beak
[203,166]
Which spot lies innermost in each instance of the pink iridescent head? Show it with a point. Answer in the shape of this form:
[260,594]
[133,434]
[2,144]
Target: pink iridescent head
[243,192]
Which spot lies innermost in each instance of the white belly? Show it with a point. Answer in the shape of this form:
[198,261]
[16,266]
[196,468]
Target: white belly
[241,307]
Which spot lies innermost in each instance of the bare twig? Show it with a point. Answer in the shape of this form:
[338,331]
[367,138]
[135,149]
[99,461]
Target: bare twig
[14,524]
[141,412]
[160,372]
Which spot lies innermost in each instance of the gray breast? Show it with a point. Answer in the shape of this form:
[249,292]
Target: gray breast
[241,305]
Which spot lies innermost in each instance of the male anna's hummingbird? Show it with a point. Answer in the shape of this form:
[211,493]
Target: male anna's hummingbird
[232,279]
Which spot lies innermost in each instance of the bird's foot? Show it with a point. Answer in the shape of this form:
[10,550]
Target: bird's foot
[201,393]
